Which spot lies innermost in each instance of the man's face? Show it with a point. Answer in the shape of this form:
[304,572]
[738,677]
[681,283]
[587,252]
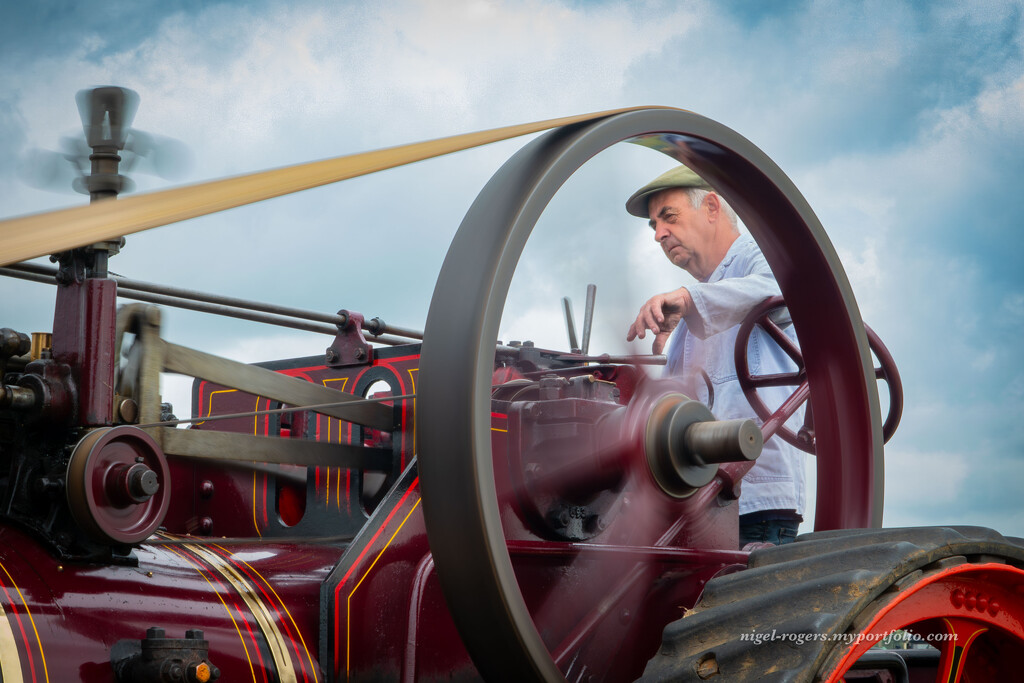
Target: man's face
[682,231]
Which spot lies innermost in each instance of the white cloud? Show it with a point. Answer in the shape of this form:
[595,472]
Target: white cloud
[311,80]
[915,478]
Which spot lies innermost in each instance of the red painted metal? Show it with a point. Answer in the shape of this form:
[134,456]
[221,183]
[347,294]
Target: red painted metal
[100,490]
[298,501]
[255,604]
[972,613]
[83,338]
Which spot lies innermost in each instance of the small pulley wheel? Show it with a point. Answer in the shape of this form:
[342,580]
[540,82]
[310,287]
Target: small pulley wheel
[118,485]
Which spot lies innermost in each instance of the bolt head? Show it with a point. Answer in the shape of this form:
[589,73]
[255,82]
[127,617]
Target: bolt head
[199,673]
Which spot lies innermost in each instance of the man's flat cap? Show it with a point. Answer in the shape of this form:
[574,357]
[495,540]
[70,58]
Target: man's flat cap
[680,176]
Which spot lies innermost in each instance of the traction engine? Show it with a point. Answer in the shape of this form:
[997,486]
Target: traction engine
[438,505]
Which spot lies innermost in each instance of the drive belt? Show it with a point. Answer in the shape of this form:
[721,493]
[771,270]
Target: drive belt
[35,235]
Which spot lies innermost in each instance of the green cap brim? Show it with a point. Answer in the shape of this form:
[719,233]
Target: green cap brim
[680,176]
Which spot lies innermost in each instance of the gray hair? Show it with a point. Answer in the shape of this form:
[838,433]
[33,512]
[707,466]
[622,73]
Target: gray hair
[697,196]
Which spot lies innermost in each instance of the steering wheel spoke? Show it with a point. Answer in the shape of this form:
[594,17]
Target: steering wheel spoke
[781,379]
[776,421]
[782,339]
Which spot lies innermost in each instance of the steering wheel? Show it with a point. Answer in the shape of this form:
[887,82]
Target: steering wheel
[457,467]
[774,422]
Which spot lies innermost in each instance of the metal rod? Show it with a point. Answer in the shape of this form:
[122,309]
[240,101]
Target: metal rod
[217,305]
[603,358]
[570,325]
[721,441]
[244,314]
[785,411]
[272,411]
[10,271]
[126,283]
[260,381]
[588,318]
[226,311]
[25,274]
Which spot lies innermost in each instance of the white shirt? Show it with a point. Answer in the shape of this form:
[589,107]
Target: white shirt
[706,338]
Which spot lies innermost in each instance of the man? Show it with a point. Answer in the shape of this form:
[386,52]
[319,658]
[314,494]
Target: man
[698,232]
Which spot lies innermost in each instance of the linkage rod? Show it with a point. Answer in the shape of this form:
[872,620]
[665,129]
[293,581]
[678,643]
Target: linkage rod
[30,275]
[243,314]
[272,411]
[375,326]
[584,358]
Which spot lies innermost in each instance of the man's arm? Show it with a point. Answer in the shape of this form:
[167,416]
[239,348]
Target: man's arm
[717,306]
[660,314]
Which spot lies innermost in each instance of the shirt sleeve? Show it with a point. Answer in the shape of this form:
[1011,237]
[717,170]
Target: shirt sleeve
[719,305]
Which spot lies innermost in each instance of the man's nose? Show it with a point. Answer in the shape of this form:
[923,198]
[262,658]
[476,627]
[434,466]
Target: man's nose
[660,231]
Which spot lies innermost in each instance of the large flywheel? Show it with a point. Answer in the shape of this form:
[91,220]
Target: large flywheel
[460,498]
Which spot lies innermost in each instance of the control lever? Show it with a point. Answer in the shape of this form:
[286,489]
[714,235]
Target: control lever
[588,321]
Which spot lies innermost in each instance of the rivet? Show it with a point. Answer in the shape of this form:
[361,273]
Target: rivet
[707,666]
[957,598]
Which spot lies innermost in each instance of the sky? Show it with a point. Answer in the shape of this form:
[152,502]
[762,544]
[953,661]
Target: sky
[901,122]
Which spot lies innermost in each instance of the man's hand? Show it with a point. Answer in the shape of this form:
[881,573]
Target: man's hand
[660,315]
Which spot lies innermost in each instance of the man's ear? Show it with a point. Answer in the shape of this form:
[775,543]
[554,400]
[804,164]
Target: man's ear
[714,206]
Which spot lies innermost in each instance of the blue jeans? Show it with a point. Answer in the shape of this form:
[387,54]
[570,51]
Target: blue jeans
[777,531]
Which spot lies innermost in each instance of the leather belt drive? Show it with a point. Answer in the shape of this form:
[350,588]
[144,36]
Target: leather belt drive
[35,235]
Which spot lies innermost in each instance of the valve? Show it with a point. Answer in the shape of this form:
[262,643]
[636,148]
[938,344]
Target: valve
[158,659]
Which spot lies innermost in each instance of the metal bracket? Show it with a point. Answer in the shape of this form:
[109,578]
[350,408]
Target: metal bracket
[349,347]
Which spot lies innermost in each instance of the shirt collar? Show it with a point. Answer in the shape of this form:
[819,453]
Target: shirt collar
[730,256]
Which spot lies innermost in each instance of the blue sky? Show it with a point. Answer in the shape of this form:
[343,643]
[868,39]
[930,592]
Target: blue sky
[902,123]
